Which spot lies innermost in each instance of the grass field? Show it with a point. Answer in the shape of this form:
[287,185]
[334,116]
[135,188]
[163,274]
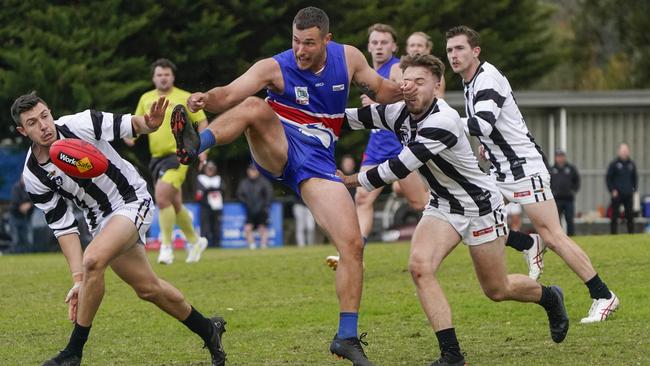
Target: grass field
[281,310]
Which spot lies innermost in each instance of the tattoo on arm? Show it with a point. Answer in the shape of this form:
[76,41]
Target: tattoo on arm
[365,89]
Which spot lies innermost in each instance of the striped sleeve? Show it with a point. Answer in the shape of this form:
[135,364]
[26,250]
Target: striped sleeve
[429,141]
[92,125]
[58,215]
[382,116]
[490,94]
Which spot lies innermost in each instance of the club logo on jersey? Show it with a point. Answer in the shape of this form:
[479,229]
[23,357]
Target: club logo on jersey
[58,181]
[339,87]
[404,133]
[82,165]
[487,230]
[302,95]
[522,194]
[318,85]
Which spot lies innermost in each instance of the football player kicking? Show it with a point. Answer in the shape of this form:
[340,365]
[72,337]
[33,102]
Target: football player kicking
[118,211]
[463,204]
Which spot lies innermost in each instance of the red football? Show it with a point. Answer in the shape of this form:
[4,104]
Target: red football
[78,158]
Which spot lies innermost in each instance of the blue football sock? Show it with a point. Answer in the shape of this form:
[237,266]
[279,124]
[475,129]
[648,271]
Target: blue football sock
[348,325]
[207,140]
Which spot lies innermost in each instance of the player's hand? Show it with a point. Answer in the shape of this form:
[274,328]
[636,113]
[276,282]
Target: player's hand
[366,101]
[197,101]
[203,158]
[408,90]
[156,113]
[614,193]
[129,142]
[350,181]
[482,153]
[72,299]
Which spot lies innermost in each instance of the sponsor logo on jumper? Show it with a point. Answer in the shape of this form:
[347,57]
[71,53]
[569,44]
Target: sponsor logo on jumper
[302,95]
[522,194]
[82,165]
[319,84]
[539,190]
[487,230]
[338,87]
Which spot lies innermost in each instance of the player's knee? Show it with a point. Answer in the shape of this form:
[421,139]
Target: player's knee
[148,292]
[353,249]
[255,107]
[362,198]
[417,205]
[420,267]
[495,294]
[93,264]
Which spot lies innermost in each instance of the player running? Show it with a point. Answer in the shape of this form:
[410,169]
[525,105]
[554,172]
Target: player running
[463,205]
[519,165]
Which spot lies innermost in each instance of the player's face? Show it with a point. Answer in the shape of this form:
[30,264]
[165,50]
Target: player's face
[38,125]
[426,86]
[460,54]
[416,44]
[381,46]
[163,78]
[309,48]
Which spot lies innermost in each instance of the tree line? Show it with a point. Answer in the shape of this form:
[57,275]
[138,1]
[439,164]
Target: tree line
[96,54]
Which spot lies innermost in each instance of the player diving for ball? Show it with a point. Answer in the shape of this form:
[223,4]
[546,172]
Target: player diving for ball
[118,210]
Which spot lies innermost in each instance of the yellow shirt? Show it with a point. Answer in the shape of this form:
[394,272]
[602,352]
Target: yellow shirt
[162,142]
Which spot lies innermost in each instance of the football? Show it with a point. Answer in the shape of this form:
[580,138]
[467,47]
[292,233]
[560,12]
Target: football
[78,158]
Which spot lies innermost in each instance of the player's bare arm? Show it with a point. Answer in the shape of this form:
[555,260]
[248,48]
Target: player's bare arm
[264,73]
[367,79]
[71,248]
[151,121]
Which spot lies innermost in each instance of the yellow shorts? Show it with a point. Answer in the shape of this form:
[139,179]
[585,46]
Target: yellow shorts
[168,170]
[175,177]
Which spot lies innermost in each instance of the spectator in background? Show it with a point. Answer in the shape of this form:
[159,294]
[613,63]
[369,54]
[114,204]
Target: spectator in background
[20,219]
[305,224]
[256,193]
[565,183]
[622,182]
[349,167]
[210,194]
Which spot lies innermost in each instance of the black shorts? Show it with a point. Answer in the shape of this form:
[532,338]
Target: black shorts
[257,218]
[158,166]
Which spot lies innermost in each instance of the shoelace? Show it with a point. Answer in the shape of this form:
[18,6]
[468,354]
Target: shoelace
[359,341]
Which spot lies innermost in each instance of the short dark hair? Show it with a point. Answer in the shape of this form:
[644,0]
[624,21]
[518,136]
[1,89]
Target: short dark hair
[383,28]
[164,63]
[24,103]
[312,17]
[431,63]
[473,38]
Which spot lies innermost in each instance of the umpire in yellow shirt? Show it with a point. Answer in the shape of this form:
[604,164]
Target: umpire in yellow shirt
[168,175]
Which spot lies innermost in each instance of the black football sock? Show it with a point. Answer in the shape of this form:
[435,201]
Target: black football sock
[519,241]
[548,299]
[199,324]
[78,339]
[448,344]
[597,288]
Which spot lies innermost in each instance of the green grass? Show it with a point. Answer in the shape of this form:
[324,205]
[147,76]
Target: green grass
[281,310]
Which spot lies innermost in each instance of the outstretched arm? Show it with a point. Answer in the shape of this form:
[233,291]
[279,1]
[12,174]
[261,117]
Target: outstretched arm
[151,121]
[371,84]
[263,73]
